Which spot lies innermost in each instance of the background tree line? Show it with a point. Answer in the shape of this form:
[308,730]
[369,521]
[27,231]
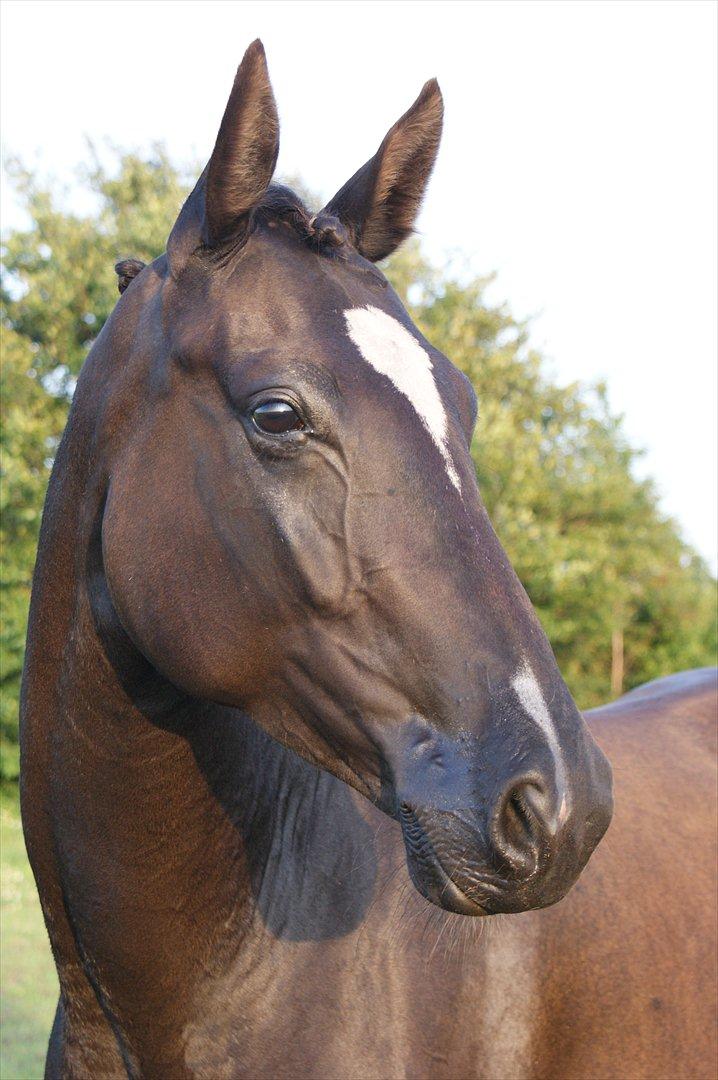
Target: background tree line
[622,597]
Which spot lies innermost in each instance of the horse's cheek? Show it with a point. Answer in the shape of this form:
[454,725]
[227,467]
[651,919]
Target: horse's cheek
[159,555]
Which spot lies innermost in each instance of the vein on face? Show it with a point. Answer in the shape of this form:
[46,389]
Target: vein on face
[392,351]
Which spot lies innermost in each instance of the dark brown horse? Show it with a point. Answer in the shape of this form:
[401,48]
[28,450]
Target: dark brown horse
[277,655]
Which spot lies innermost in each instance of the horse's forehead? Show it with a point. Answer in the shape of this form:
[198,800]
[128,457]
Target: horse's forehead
[309,302]
[392,351]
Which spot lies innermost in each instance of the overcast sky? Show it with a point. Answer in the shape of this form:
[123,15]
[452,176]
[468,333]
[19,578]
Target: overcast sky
[579,159]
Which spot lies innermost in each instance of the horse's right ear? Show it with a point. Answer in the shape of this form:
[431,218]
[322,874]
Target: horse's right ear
[379,205]
[219,209]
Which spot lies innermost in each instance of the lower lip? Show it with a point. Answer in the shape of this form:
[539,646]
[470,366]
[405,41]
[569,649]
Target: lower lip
[437,887]
[452,898]
[441,891]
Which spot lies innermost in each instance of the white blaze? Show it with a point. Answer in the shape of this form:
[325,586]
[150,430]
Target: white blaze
[393,351]
[531,697]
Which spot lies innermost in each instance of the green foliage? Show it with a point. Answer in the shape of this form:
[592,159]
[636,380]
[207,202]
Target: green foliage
[59,286]
[587,538]
[27,973]
[31,421]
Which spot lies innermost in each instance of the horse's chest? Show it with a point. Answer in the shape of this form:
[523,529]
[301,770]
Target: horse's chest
[353,1008]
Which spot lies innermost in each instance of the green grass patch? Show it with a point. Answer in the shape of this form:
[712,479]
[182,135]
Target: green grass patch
[27,974]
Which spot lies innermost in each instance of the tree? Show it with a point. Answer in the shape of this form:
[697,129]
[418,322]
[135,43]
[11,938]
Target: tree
[610,577]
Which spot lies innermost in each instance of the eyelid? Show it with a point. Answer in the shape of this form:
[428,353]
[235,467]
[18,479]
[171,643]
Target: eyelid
[262,397]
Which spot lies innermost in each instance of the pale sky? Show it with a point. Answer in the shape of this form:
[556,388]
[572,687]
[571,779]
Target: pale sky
[579,159]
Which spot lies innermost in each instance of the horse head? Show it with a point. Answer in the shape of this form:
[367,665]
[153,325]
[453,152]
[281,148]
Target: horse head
[293,527]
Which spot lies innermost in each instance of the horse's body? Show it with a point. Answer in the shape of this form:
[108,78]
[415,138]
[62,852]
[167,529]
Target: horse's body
[330,964]
[232,742]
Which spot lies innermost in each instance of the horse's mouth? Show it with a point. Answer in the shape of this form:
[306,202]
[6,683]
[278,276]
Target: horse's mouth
[437,886]
[427,873]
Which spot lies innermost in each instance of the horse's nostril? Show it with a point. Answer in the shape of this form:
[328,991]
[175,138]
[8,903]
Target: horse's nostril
[518,816]
[518,830]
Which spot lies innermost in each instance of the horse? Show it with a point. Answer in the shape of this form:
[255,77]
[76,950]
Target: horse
[299,771]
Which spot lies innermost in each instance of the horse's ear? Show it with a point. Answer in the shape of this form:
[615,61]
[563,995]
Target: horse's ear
[240,168]
[127,270]
[380,203]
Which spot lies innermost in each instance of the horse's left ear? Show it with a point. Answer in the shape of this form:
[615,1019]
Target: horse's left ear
[380,203]
[239,171]
[127,270]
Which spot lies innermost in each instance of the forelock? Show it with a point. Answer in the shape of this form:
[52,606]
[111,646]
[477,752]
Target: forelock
[322,232]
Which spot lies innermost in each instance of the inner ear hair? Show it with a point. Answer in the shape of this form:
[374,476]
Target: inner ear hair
[126,270]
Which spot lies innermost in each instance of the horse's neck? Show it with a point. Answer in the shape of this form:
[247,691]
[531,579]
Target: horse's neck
[164,797]
[190,867]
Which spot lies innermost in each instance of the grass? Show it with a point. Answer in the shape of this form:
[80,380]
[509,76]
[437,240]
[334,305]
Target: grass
[28,982]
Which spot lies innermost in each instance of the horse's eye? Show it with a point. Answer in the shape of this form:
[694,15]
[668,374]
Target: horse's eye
[277,417]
